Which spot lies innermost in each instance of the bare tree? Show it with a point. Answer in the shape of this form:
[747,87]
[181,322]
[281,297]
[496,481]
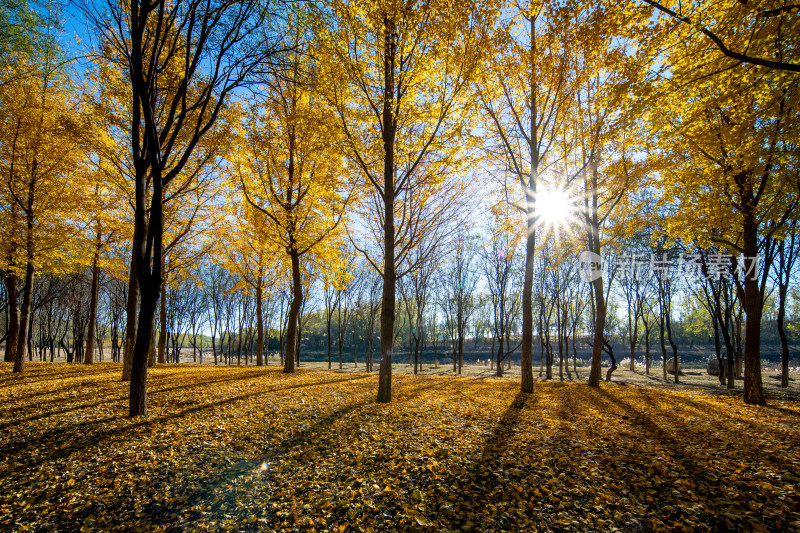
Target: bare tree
[457,285]
[788,250]
[501,269]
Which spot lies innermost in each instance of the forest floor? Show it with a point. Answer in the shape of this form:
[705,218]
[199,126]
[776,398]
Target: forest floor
[253,449]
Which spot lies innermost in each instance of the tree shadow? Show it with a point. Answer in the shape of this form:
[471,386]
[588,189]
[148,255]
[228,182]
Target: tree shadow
[153,390]
[88,434]
[41,375]
[483,472]
[697,477]
[313,440]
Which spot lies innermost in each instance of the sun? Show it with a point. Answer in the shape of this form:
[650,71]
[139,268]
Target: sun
[555,207]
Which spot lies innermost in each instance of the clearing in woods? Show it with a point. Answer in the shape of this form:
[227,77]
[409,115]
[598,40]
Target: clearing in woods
[254,449]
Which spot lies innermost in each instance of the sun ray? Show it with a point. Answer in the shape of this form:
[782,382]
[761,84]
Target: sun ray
[555,210]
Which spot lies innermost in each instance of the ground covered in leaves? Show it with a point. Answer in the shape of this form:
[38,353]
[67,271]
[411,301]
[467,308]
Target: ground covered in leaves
[253,449]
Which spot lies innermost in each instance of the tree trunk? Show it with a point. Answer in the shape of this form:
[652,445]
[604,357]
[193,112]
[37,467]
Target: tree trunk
[151,353]
[634,331]
[330,319]
[239,347]
[737,346]
[727,336]
[27,294]
[341,339]
[144,334]
[12,331]
[94,290]
[435,346]
[460,343]
[597,283]
[599,327]
[663,343]
[130,318]
[753,388]
[718,347]
[574,350]
[259,325]
[526,368]
[668,322]
[646,345]
[499,369]
[389,274]
[526,360]
[613,367]
[294,313]
[162,320]
[782,333]
[784,273]
[561,349]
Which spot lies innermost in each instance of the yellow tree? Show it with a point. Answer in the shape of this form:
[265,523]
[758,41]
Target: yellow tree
[109,98]
[255,260]
[753,33]
[291,175]
[397,73]
[186,212]
[189,221]
[527,91]
[41,156]
[728,149]
[556,100]
[105,229]
[599,140]
[182,61]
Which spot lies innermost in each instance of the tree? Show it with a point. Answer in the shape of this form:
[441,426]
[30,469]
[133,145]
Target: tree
[526,100]
[635,284]
[729,149]
[334,286]
[291,177]
[344,298]
[42,131]
[253,259]
[604,132]
[415,290]
[103,224]
[397,76]
[184,60]
[27,30]
[500,265]
[788,250]
[457,285]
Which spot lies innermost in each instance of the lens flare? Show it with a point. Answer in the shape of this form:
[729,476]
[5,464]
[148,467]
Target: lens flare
[555,208]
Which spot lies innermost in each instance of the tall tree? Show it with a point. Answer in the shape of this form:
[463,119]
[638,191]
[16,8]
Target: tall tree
[500,264]
[527,95]
[609,70]
[41,145]
[788,250]
[253,259]
[398,72]
[183,60]
[729,148]
[291,178]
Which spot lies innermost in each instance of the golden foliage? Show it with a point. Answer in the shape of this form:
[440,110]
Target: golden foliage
[43,137]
